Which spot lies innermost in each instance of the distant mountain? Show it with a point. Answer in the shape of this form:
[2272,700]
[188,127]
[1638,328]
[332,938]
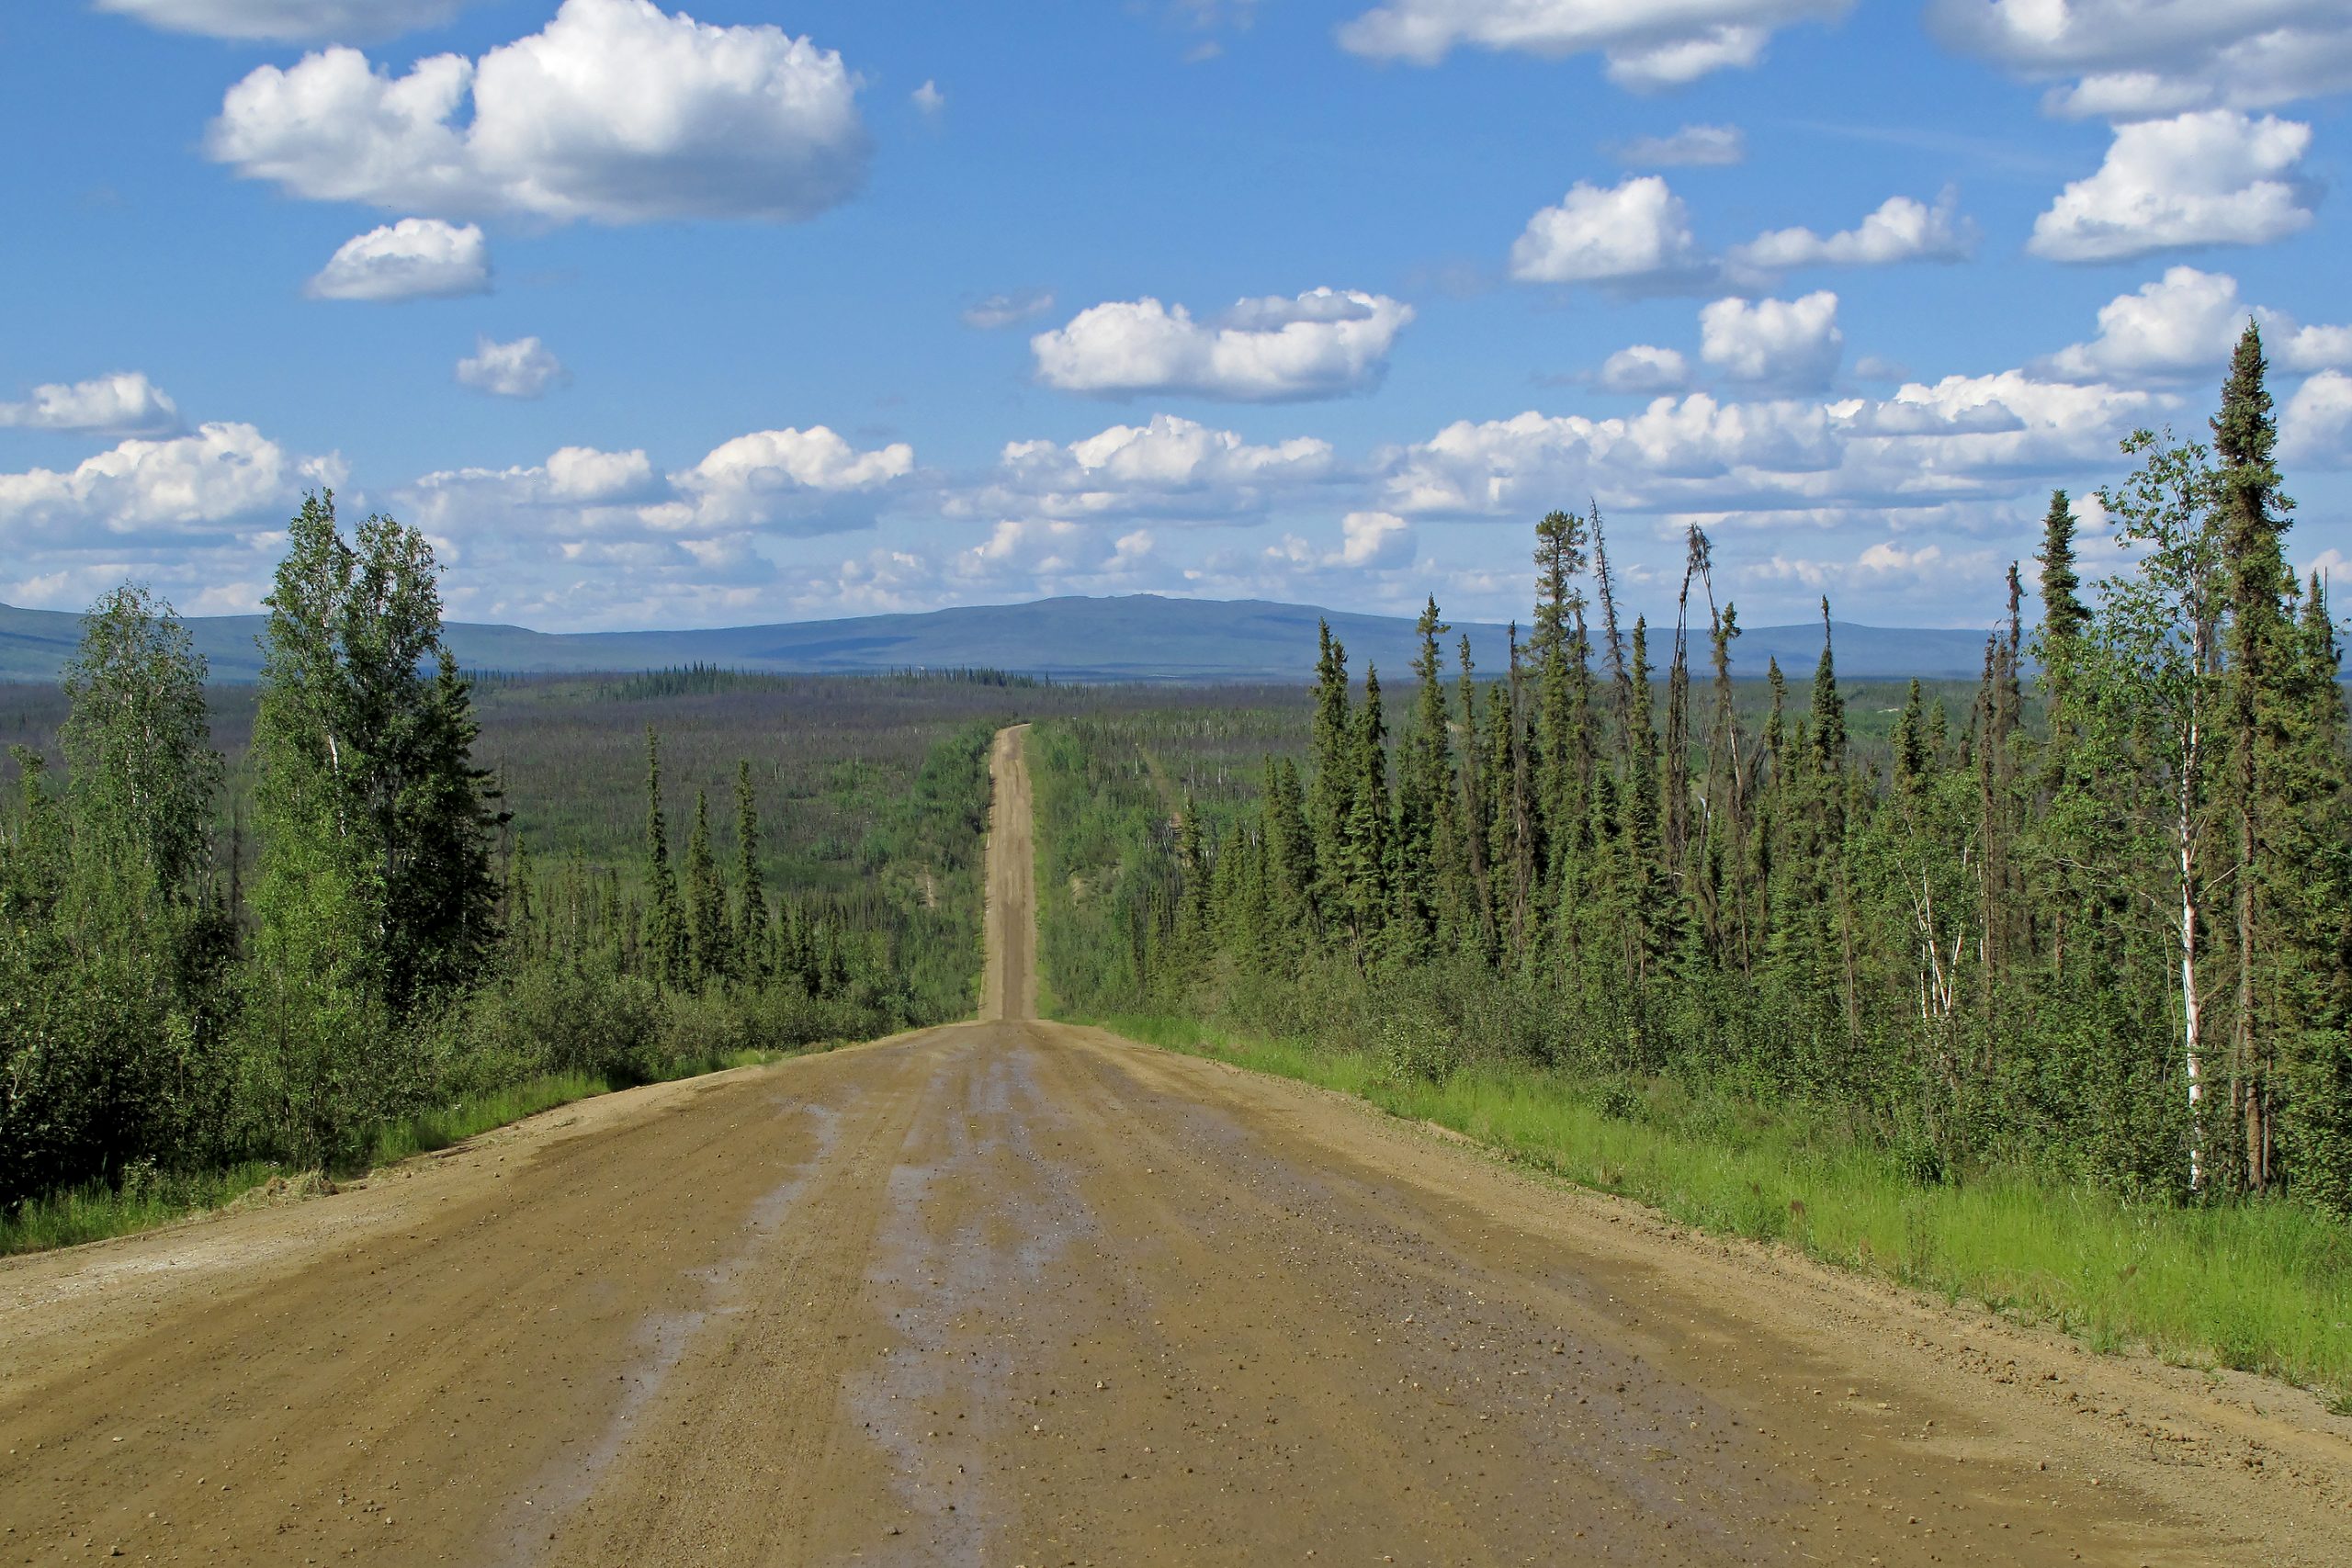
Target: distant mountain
[1138,637]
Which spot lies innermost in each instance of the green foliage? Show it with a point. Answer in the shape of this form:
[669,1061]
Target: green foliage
[136,1198]
[2107,937]
[109,940]
[319,958]
[374,894]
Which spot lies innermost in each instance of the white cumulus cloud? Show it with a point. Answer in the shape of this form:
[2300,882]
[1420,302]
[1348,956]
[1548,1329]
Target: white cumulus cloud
[2209,177]
[1376,541]
[1648,44]
[301,21]
[785,478]
[416,258]
[573,478]
[2124,59]
[611,508]
[1636,233]
[218,474]
[929,98]
[586,474]
[1323,343]
[1922,458]
[1644,368]
[1172,467]
[1901,230]
[1693,146]
[616,112]
[1792,343]
[123,404]
[2187,321]
[524,368]
[2315,428]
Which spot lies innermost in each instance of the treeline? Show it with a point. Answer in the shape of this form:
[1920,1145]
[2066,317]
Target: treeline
[366,941]
[700,680]
[2108,932]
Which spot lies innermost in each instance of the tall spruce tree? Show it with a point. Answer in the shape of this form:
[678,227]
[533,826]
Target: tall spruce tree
[1369,852]
[1477,825]
[2253,521]
[751,945]
[1728,788]
[2312,844]
[1426,820]
[669,949]
[1330,790]
[1559,559]
[1290,857]
[705,899]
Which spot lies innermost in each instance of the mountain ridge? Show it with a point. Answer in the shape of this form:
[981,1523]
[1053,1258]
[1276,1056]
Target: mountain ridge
[1141,637]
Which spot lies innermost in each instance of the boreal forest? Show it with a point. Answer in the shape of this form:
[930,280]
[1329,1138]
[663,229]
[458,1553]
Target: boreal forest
[2092,916]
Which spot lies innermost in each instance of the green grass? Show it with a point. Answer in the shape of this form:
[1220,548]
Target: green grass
[2263,1287]
[445,1125]
[454,1124]
[96,1211]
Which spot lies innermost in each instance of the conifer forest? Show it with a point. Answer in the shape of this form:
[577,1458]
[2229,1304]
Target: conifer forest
[2092,916]
[372,912]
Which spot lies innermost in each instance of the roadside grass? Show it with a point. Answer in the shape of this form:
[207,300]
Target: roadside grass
[148,1199]
[428,1130]
[2263,1287]
[98,1210]
[444,1125]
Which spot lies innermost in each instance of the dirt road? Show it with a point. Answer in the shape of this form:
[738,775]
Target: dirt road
[1011,1293]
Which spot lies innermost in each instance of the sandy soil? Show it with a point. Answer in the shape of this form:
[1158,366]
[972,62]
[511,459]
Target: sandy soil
[1013,1292]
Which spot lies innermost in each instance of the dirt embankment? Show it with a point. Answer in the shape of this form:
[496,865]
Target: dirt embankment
[1013,1292]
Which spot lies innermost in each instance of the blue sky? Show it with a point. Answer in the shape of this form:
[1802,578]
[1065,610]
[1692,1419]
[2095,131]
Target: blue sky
[789,311]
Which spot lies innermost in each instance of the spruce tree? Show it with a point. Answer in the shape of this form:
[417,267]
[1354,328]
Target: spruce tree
[444,899]
[705,899]
[2252,516]
[1728,788]
[1369,854]
[1290,855]
[1330,790]
[1194,936]
[2057,889]
[2312,849]
[1911,744]
[668,950]
[1827,732]
[1648,886]
[2064,616]
[1424,796]
[1477,825]
[1517,819]
[751,933]
[1559,559]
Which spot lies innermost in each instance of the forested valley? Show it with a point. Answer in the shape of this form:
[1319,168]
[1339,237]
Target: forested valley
[359,939]
[2085,929]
